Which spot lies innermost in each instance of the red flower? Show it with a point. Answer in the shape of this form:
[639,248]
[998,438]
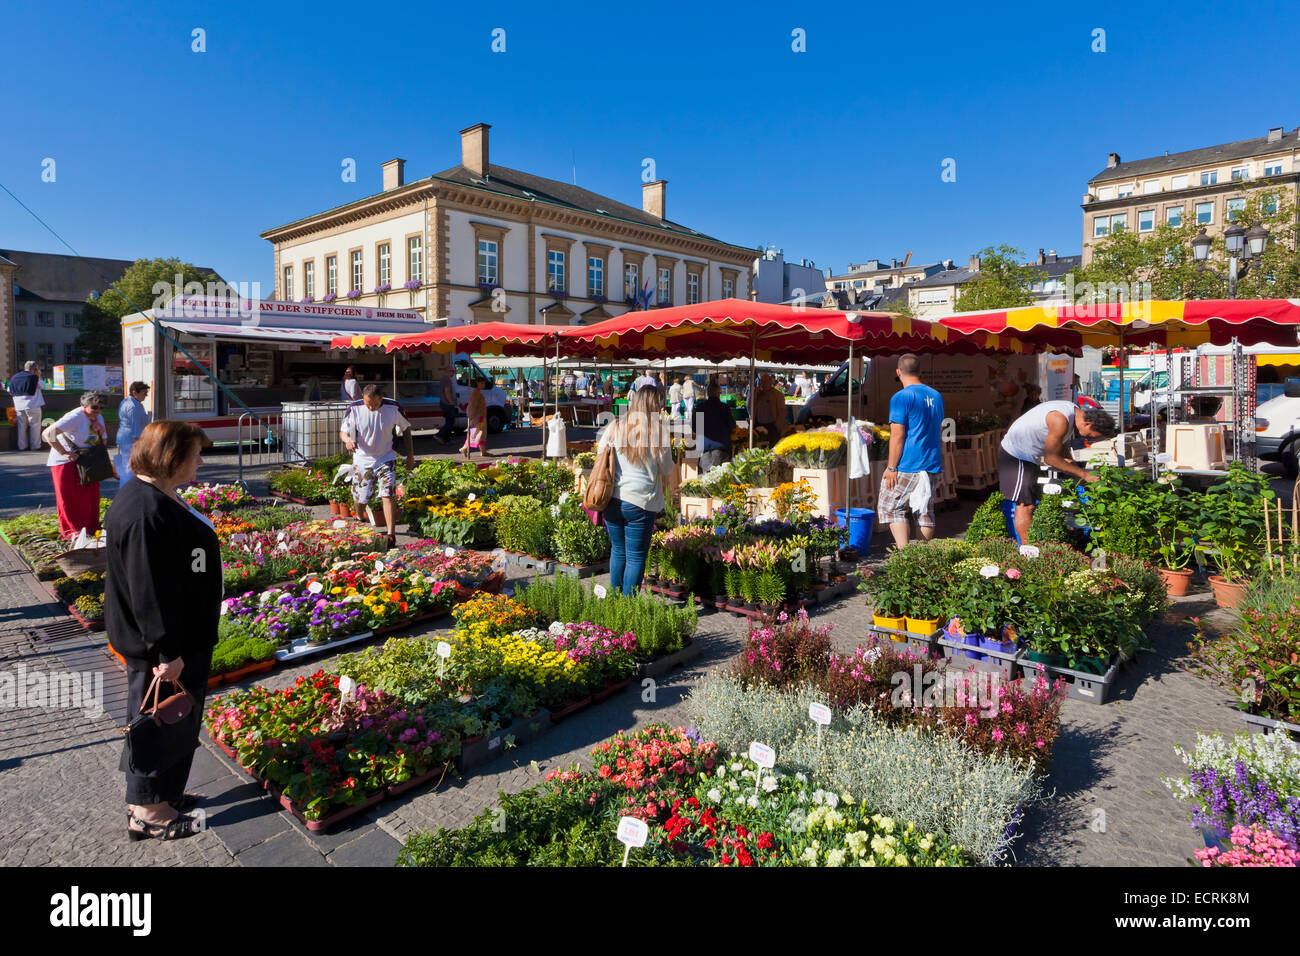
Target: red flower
[765,841]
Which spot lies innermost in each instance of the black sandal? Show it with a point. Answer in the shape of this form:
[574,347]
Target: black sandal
[187,802]
[177,829]
[392,542]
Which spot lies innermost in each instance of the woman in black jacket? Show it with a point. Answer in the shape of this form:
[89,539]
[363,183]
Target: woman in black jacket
[162,604]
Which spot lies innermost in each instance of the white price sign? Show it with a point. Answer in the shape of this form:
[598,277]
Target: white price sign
[599,591]
[819,714]
[379,566]
[1052,489]
[340,523]
[315,587]
[449,551]
[471,496]
[347,685]
[632,833]
[1029,551]
[444,650]
[763,755]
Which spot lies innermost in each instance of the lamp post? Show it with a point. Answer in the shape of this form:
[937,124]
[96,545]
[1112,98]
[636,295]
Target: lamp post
[1242,246]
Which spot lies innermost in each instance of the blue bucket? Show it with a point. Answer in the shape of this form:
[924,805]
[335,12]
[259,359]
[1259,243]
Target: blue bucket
[1009,513]
[860,530]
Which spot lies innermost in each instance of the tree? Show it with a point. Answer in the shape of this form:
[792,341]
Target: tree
[1004,282]
[1164,259]
[147,283]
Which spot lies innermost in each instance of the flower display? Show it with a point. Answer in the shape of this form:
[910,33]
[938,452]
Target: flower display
[813,449]
[208,498]
[1251,846]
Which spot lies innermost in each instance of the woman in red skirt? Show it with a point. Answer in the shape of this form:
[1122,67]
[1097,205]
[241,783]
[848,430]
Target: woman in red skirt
[82,427]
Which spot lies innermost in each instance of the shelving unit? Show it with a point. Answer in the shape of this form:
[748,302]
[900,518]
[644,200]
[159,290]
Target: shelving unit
[1238,391]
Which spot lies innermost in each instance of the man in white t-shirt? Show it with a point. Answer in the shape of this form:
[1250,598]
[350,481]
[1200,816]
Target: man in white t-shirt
[367,432]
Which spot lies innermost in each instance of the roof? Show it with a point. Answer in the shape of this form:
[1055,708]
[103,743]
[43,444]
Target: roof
[58,278]
[1226,152]
[520,185]
[1050,270]
[1061,267]
[946,277]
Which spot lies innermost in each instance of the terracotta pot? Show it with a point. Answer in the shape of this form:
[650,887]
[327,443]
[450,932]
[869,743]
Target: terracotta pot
[1176,582]
[1228,593]
[335,507]
[344,510]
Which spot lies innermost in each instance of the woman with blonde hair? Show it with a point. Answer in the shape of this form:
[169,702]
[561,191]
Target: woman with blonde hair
[644,470]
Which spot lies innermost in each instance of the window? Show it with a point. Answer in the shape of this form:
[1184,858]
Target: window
[1205,213]
[386,264]
[692,289]
[45,353]
[595,275]
[1174,215]
[1240,173]
[69,353]
[288,283]
[22,352]
[1269,205]
[1235,208]
[1179,182]
[631,280]
[20,317]
[1100,226]
[555,281]
[415,258]
[1273,169]
[358,263]
[309,278]
[665,286]
[1210,178]
[70,320]
[1150,186]
[1146,220]
[1105,193]
[332,275]
[487,262]
[728,288]
[45,319]
[1118,222]
[1126,191]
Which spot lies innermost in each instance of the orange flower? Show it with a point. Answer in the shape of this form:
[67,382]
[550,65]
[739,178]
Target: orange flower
[395,596]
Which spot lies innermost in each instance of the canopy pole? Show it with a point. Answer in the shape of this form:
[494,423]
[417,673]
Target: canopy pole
[394,376]
[1123,402]
[543,390]
[753,404]
[848,458]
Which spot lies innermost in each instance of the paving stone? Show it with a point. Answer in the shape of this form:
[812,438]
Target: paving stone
[283,849]
[373,848]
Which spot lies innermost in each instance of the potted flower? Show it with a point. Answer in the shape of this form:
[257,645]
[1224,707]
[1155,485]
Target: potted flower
[1232,526]
[329,297]
[1173,530]
[987,601]
[354,294]
[888,600]
[339,494]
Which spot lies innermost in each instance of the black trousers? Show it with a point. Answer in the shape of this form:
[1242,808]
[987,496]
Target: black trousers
[168,786]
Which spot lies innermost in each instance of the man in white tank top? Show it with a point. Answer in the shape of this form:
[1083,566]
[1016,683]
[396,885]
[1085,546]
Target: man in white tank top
[1045,432]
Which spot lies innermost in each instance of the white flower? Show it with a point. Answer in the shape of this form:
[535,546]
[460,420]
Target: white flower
[769,784]
[733,786]
[989,571]
[721,771]
[714,795]
[800,777]
[753,801]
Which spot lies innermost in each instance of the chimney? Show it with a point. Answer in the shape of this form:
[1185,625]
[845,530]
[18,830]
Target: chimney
[974,264]
[1042,258]
[1112,160]
[474,148]
[1051,255]
[394,173]
[947,263]
[654,198]
[1275,134]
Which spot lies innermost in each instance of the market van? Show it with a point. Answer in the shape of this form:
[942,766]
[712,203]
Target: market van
[1277,428]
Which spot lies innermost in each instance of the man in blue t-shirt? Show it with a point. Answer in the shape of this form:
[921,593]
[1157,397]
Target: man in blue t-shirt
[915,464]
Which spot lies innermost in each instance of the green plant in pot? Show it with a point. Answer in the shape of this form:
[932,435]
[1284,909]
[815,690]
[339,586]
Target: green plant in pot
[1174,528]
[1232,525]
[1120,510]
[769,590]
[988,520]
[888,598]
[749,586]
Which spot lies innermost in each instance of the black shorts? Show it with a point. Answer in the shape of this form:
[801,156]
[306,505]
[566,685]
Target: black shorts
[1017,480]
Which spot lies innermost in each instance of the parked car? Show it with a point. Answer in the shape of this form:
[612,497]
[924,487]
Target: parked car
[1277,429]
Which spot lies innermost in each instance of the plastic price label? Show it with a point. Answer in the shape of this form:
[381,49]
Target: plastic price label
[315,587]
[347,685]
[1052,489]
[444,650]
[471,496]
[379,566]
[449,551]
[819,714]
[632,832]
[762,755]
[1029,551]
[340,523]
[599,591]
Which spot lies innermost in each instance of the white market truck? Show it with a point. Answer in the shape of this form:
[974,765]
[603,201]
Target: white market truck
[267,354]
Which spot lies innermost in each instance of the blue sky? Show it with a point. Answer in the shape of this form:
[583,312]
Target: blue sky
[833,154]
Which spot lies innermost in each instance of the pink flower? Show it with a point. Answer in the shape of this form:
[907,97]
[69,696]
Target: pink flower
[1021,729]
[1040,743]
[1013,573]
[997,734]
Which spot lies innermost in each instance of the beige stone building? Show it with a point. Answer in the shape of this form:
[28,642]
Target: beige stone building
[1204,186]
[874,275]
[481,242]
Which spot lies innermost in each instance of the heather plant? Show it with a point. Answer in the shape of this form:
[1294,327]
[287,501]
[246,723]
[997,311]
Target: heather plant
[785,652]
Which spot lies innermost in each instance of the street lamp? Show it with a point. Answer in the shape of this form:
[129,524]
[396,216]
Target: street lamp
[1241,245]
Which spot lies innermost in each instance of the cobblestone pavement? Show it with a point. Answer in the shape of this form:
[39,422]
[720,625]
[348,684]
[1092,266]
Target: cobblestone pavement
[61,793]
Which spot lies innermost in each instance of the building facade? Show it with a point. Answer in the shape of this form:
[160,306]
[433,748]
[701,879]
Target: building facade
[41,302]
[874,275]
[1204,186]
[937,294]
[777,281]
[481,242]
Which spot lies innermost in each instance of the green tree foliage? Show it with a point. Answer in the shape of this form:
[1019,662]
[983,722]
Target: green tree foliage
[100,341]
[1004,281]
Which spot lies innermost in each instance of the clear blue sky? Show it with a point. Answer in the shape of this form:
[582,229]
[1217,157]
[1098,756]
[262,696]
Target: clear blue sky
[833,154]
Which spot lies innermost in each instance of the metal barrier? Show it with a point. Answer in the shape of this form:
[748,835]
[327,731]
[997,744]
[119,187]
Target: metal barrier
[254,431]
